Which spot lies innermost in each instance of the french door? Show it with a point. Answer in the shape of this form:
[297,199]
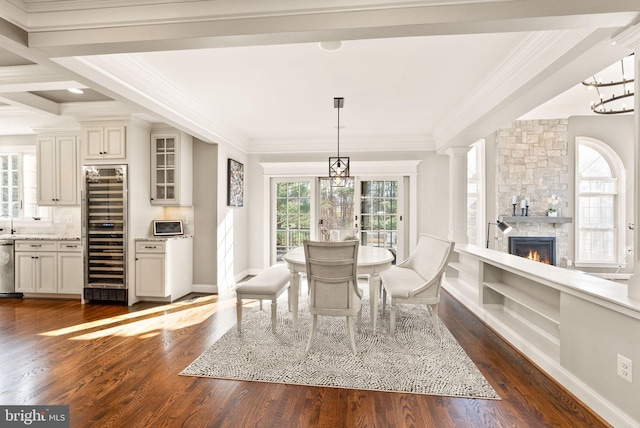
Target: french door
[368,209]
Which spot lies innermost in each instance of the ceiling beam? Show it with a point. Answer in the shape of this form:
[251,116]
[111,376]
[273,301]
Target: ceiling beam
[298,26]
[33,77]
[31,102]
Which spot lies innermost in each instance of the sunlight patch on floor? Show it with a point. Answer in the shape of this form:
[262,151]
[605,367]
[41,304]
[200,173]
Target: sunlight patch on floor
[183,313]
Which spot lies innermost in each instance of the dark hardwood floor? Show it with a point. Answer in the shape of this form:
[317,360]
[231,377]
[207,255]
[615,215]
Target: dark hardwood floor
[118,367]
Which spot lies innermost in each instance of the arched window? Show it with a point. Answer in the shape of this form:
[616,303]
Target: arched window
[599,180]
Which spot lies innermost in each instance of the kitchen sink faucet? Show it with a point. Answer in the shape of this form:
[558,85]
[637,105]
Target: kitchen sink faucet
[12,230]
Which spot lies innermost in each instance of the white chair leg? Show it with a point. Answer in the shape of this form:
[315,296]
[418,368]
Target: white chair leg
[312,336]
[352,338]
[274,314]
[239,316]
[360,319]
[392,323]
[434,317]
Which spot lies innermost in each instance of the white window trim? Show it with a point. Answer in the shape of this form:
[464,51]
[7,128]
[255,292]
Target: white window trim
[25,221]
[619,173]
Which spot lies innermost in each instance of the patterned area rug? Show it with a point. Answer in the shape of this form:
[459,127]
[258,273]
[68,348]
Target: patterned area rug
[415,360]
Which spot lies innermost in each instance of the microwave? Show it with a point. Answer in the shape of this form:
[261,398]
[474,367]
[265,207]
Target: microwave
[167,227]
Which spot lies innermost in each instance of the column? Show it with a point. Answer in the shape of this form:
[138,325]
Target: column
[634,281]
[458,194]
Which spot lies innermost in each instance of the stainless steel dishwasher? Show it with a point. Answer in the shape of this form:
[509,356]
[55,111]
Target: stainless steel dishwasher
[7,276]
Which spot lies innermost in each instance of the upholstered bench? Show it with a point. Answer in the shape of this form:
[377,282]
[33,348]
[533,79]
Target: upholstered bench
[269,284]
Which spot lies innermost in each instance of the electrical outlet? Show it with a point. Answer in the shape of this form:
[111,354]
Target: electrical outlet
[625,368]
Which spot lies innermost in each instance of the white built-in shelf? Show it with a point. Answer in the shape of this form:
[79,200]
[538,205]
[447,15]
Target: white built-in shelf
[536,219]
[544,309]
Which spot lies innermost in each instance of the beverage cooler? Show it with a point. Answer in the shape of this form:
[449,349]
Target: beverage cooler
[104,233]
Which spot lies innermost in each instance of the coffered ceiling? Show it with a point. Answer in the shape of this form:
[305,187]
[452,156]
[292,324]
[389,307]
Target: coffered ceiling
[417,75]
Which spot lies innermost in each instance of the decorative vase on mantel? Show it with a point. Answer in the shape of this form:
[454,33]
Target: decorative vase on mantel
[552,213]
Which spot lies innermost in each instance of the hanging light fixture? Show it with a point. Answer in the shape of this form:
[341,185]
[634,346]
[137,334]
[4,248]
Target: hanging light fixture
[612,95]
[338,166]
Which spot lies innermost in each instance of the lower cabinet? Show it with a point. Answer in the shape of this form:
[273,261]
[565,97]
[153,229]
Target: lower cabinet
[164,268]
[70,267]
[53,267]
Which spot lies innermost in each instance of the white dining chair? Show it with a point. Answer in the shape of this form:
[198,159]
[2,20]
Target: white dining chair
[333,284]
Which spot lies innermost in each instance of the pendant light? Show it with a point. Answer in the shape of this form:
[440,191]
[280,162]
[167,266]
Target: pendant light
[338,166]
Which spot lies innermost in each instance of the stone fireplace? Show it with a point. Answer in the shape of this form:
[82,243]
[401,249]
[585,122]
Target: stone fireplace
[532,164]
[537,248]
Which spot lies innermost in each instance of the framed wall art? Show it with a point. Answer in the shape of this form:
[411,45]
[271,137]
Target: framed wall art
[235,183]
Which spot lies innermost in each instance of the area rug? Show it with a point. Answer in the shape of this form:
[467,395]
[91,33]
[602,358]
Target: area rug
[415,360]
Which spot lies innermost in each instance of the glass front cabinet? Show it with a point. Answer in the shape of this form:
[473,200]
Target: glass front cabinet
[171,166]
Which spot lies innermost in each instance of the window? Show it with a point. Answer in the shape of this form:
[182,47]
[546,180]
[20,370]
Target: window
[18,184]
[599,175]
[475,186]
[293,215]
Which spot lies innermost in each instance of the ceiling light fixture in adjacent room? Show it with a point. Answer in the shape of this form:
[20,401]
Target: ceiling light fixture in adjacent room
[613,90]
[75,90]
[338,166]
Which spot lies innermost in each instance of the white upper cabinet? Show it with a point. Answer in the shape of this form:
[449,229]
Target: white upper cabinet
[58,170]
[171,168]
[104,142]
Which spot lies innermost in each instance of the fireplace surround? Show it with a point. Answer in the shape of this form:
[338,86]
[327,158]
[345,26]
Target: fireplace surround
[538,248]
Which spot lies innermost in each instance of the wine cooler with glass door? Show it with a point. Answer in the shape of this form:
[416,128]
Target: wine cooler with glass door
[104,233]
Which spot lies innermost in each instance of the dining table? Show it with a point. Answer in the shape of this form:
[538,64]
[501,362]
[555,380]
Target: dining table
[371,261]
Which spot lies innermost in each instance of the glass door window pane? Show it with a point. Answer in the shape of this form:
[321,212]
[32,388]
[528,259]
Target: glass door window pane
[292,217]
[379,214]
[337,216]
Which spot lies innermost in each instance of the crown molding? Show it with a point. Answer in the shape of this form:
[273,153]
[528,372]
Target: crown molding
[98,111]
[629,37]
[399,143]
[358,168]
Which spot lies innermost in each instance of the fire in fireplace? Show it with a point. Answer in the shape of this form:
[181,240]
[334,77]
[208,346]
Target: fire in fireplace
[538,248]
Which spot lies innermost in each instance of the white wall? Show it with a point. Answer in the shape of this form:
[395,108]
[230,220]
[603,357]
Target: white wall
[232,234]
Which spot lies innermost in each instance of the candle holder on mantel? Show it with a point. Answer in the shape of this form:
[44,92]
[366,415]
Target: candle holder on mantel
[513,213]
[526,210]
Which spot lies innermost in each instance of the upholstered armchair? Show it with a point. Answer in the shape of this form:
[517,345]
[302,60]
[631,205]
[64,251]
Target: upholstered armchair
[417,280]
[333,284]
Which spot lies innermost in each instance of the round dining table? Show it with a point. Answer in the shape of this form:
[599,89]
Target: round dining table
[371,261]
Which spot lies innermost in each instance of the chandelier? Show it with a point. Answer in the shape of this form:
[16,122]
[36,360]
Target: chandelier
[338,166]
[613,87]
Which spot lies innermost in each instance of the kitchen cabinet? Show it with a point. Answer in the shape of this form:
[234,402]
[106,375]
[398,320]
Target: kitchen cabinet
[171,169]
[58,170]
[35,266]
[164,268]
[104,142]
[52,267]
[70,266]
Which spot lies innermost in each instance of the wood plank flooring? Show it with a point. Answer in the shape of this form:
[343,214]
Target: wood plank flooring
[118,367]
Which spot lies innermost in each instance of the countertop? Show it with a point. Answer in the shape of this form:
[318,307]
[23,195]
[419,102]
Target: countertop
[38,237]
[163,238]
